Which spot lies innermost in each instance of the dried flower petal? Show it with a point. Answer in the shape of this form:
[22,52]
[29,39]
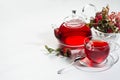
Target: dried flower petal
[105,22]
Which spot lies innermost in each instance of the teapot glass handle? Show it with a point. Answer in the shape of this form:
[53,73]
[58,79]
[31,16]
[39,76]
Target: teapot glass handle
[86,10]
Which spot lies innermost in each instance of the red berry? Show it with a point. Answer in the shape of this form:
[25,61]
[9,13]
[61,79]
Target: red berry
[99,15]
[96,20]
[110,31]
[57,33]
[65,51]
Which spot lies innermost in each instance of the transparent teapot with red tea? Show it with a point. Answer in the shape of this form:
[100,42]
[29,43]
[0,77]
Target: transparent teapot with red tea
[73,30]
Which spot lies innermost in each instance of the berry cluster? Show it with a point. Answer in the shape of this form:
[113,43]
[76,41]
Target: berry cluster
[105,22]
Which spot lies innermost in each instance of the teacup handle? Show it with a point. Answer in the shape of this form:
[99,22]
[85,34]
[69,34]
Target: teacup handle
[114,52]
[86,8]
[115,45]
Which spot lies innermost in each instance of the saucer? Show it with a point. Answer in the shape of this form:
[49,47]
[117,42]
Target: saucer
[86,65]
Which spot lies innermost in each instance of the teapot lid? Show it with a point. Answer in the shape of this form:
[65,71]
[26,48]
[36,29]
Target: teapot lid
[74,20]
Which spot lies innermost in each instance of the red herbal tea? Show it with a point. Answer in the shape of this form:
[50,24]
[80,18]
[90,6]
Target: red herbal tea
[72,33]
[97,50]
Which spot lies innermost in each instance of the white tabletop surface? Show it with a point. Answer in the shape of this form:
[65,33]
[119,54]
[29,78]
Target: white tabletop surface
[25,27]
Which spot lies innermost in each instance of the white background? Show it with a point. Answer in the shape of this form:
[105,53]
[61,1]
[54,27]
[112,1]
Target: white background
[25,27]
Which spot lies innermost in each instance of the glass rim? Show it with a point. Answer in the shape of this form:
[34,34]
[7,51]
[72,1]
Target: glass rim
[96,38]
[104,32]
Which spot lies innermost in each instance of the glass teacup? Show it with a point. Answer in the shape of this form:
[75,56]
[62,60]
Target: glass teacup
[100,55]
[96,50]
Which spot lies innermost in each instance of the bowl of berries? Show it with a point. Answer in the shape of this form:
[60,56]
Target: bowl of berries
[106,25]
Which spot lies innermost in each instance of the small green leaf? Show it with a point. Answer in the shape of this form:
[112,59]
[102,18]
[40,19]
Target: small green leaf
[58,50]
[50,50]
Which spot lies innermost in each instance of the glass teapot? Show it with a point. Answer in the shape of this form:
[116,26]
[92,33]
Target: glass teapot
[74,29]
[72,32]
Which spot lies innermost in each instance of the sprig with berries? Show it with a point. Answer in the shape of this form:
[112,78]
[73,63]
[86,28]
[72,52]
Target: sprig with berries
[58,51]
[105,22]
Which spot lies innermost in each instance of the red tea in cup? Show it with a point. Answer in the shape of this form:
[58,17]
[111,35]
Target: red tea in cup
[96,50]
